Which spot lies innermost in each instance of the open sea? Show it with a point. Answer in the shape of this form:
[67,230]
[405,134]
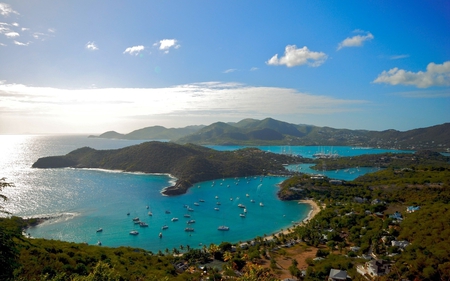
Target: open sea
[80,201]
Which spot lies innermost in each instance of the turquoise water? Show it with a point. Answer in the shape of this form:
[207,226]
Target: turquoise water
[341,174]
[83,200]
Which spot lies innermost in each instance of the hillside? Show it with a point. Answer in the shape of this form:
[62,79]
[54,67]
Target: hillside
[151,133]
[189,163]
[273,132]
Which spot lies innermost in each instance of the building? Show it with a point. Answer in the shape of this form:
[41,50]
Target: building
[337,275]
[374,268]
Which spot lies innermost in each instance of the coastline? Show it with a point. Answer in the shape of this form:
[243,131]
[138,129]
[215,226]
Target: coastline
[315,209]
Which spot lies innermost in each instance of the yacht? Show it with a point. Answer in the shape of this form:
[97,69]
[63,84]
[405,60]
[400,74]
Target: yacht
[196,204]
[216,209]
[150,214]
[136,219]
[242,215]
[187,216]
[164,227]
[190,209]
[190,221]
[223,228]
[160,235]
[253,201]
[174,219]
[261,204]
[143,224]
[99,242]
[189,229]
[134,232]
[217,203]
[201,200]
[241,206]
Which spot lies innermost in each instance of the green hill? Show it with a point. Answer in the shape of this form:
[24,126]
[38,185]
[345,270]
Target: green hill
[189,163]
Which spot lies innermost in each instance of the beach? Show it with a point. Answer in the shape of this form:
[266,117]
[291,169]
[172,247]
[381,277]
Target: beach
[315,209]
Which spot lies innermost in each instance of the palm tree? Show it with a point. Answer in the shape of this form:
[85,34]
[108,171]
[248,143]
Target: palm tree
[227,256]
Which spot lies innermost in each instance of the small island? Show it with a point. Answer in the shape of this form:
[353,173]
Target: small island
[188,163]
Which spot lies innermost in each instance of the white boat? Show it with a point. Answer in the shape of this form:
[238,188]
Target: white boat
[187,215]
[189,229]
[242,215]
[201,200]
[241,206]
[217,197]
[137,222]
[261,204]
[190,221]
[143,224]
[245,210]
[217,203]
[253,201]
[231,198]
[190,209]
[223,228]
[247,195]
[136,219]
[174,219]
[99,242]
[196,204]
[216,209]
[160,235]
[100,229]
[134,232]
[150,214]
[164,227]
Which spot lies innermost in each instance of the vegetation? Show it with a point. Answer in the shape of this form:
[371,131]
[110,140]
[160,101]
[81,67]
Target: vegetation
[273,132]
[358,220]
[189,163]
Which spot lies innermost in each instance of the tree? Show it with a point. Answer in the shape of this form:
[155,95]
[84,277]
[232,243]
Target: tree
[8,250]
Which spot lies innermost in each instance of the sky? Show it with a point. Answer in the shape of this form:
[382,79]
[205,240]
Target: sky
[94,66]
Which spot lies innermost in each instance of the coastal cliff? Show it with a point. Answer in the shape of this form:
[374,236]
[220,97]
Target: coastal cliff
[188,163]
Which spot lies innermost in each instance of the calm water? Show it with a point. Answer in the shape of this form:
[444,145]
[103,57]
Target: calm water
[84,199]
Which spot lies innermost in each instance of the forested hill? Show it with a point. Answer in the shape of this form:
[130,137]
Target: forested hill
[274,132]
[189,163]
[152,133]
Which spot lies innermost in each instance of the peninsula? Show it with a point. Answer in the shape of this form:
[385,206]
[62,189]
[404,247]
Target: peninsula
[188,163]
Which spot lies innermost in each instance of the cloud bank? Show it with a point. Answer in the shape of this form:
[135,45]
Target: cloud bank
[294,57]
[199,101]
[435,75]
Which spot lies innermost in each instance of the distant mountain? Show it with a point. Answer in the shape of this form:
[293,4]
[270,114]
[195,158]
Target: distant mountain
[273,132]
[188,163]
[152,133]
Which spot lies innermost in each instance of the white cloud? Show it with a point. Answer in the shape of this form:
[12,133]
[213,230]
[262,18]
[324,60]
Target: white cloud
[355,41]
[253,69]
[198,100]
[135,50]
[12,34]
[6,9]
[91,46]
[293,57]
[435,75]
[397,57]
[230,70]
[21,43]
[166,44]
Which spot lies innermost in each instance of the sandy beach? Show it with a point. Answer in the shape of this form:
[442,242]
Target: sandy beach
[315,209]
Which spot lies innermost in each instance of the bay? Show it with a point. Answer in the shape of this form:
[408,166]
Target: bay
[83,200]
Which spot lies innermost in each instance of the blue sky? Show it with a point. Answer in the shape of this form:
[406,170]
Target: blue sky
[93,66]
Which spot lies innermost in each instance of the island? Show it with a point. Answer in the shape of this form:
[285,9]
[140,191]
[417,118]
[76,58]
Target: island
[188,163]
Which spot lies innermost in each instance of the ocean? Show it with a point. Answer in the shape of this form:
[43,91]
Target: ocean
[80,201]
